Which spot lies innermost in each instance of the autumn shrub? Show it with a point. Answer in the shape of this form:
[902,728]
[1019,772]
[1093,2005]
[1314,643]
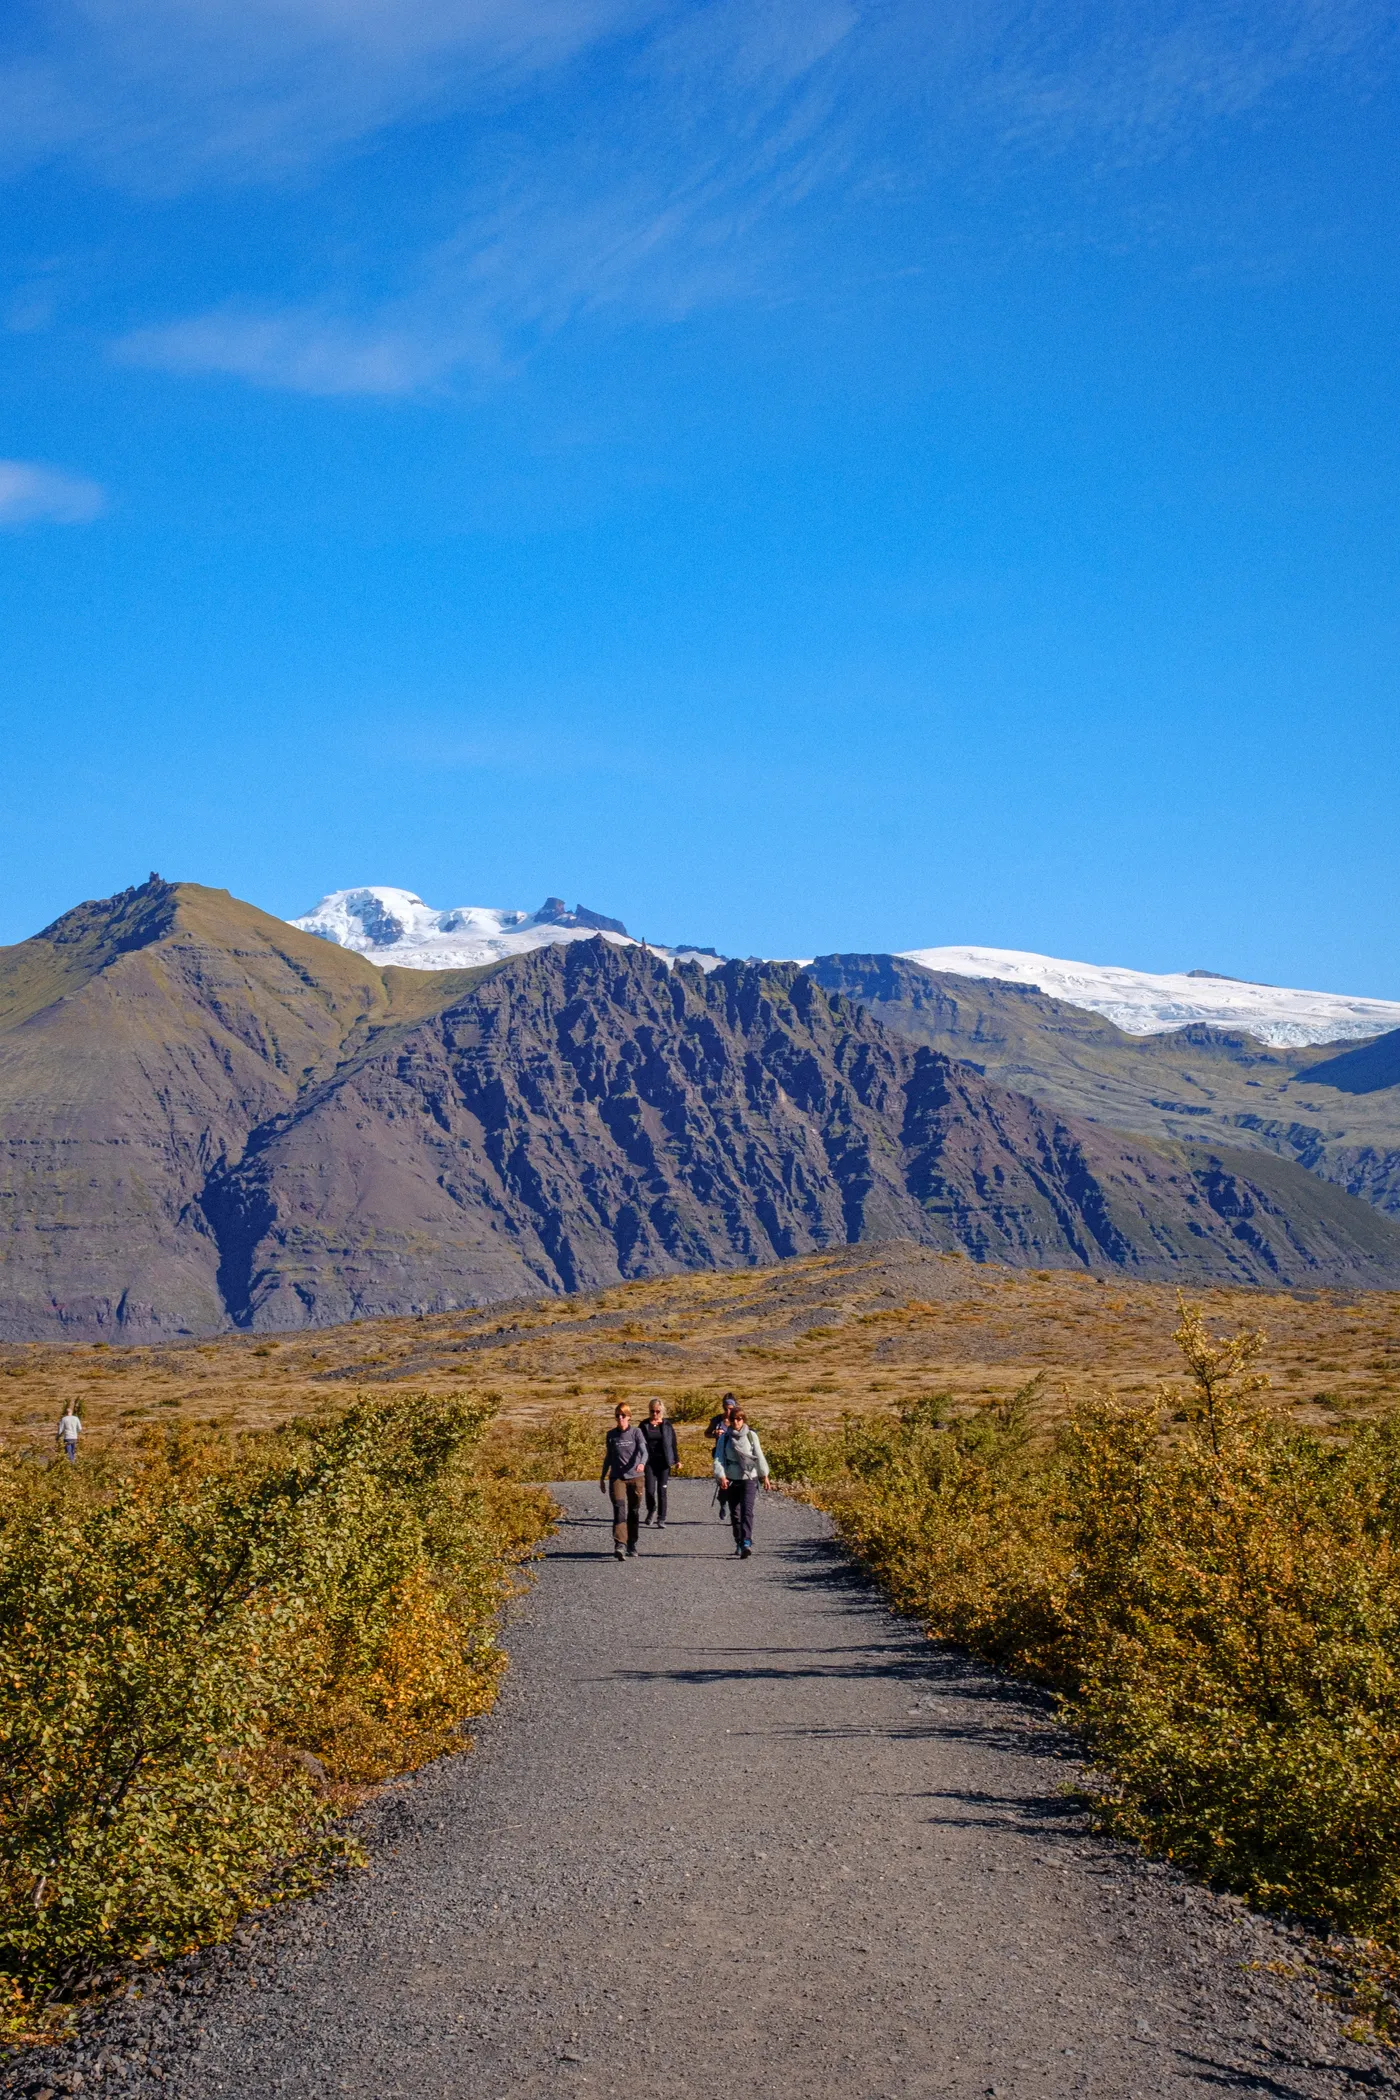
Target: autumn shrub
[564,1446]
[1237,1639]
[204,1649]
[696,1404]
[1216,1599]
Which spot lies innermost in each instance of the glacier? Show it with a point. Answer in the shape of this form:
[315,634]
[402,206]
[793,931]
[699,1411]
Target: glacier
[395,926]
[1141,1002]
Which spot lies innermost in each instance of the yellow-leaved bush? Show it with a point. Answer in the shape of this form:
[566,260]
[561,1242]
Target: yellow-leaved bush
[206,1648]
[1216,1600]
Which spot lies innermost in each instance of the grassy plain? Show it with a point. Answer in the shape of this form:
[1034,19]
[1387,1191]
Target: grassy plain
[857,1330]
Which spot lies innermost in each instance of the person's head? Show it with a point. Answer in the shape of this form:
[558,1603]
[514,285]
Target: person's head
[728,1405]
[622,1414]
[737,1419]
[657,1411]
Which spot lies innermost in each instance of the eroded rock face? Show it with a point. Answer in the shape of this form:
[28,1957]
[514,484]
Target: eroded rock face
[209,1118]
[585,1115]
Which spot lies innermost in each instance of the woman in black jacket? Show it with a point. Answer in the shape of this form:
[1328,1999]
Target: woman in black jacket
[662,1460]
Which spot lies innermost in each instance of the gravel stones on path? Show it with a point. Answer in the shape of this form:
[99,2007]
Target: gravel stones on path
[733,1829]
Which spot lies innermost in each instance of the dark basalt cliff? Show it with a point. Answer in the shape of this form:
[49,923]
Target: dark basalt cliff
[1338,1115]
[210,1118]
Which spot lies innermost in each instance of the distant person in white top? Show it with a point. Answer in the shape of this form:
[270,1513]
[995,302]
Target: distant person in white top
[70,1428]
[739,1467]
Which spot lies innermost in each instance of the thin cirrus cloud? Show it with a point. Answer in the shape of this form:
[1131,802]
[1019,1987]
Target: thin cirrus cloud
[653,209]
[32,494]
[304,352]
[162,95]
[647,157]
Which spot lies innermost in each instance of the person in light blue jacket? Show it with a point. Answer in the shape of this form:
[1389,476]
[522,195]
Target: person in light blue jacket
[740,1469]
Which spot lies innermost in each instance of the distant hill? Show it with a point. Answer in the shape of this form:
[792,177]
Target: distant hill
[1336,1115]
[212,1119]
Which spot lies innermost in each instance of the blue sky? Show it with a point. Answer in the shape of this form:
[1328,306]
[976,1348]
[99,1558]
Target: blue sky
[794,476]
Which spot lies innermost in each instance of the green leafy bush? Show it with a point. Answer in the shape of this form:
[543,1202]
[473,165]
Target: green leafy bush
[1217,1601]
[205,1651]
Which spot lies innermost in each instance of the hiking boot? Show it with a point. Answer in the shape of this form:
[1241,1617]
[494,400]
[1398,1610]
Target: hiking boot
[630,1551]
[617,1553]
[744,1552]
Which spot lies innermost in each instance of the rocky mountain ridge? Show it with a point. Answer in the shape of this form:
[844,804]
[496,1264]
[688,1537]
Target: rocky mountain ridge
[396,926]
[1331,1109]
[212,1119]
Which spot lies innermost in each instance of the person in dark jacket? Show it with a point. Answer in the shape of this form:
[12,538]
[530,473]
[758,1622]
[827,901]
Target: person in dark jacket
[624,1468]
[715,1428]
[662,1459]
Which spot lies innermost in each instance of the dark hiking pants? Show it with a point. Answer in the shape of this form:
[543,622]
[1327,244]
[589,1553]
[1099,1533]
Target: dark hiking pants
[627,1512]
[657,1477]
[742,1496]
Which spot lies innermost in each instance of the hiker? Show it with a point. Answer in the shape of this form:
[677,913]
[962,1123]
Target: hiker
[70,1428]
[663,1457]
[624,1465]
[716,1427]
[739,1467]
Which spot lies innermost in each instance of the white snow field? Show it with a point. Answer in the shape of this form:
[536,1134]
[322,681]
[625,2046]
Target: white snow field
[1142,1003]
[395,926]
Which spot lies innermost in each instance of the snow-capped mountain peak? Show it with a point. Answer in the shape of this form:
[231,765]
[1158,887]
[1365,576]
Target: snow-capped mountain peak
[395,926]
[389,925]
[1142,1002]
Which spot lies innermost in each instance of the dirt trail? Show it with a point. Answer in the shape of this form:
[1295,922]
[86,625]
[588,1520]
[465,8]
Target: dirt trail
[734,1829]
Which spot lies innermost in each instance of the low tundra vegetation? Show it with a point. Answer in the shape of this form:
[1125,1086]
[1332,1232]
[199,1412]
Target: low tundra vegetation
[1214,1591]
[210,1648]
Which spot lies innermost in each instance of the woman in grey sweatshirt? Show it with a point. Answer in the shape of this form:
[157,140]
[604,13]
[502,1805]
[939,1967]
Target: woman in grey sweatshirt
[624,1470]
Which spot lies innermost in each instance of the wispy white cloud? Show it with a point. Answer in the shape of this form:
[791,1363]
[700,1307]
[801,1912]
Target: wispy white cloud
[1140,85]
[721,119]
[304,351]
[640,156]
[31,494]
[159,94]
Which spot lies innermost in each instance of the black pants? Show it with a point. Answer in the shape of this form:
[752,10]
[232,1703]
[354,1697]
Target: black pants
[627,1512]
[742,1496]
[657,1477]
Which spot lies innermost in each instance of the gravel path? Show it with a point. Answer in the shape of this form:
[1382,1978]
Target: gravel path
[734,1829]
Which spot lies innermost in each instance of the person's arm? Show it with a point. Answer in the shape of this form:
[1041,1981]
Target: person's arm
[672,1448]
[721,1454]
[607,1454]
[758,1454]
